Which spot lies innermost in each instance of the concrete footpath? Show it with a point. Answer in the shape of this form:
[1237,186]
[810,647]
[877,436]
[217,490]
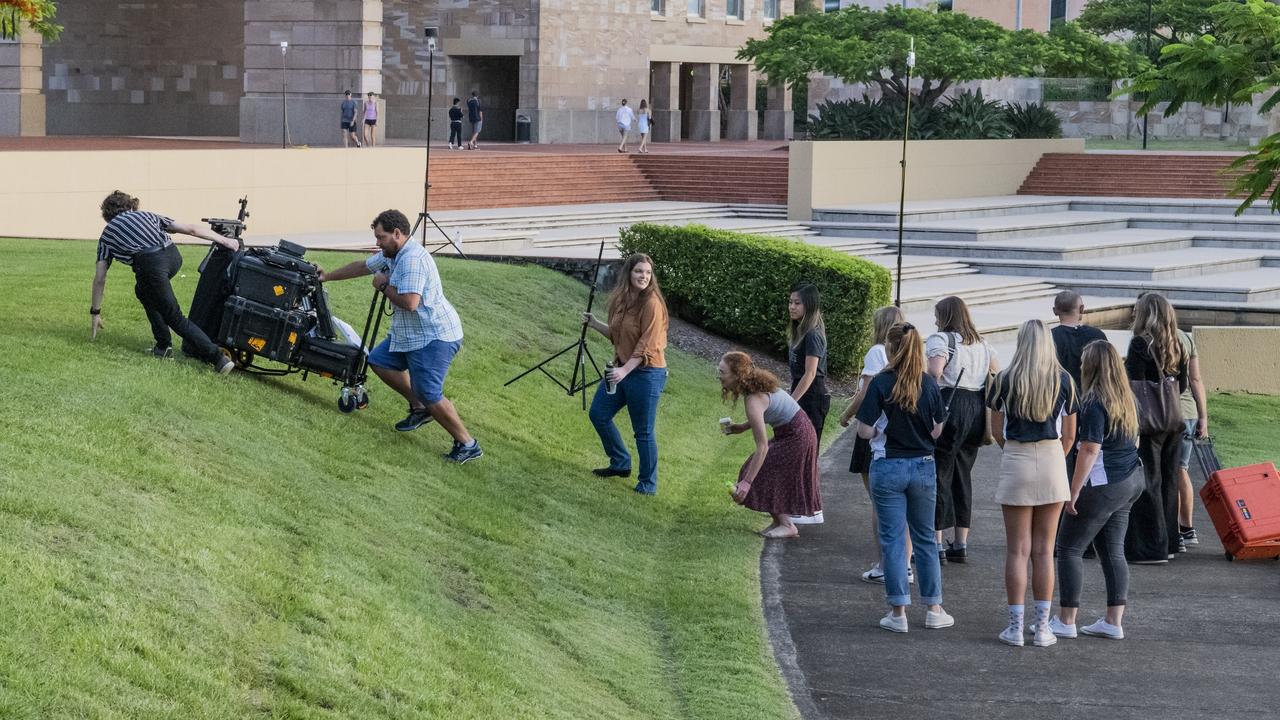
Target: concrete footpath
[1202,634]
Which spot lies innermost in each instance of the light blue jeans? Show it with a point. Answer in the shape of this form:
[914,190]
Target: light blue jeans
[904,491]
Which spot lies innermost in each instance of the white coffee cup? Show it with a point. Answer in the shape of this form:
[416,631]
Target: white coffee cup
[724,424]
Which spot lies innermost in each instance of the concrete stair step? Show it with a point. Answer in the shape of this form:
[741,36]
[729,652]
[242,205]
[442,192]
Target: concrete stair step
[1189,262]
[1240,286]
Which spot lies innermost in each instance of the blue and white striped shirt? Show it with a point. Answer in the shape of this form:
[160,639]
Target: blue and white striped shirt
[413,270]
[132,232]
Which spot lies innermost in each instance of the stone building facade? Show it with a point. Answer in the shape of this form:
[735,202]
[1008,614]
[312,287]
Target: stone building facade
[216,67]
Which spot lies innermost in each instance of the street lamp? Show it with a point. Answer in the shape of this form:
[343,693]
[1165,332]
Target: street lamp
[284,88]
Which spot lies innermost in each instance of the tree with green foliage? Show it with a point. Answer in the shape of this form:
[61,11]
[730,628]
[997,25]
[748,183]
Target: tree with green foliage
[36,14]
[868,46]
[1170,21]
[1230,67]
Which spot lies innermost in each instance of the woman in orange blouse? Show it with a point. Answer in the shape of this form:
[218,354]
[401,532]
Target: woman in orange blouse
[637,328]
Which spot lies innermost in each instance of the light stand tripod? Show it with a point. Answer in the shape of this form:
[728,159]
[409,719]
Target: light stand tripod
[579,380]
[431,34]
[902,196]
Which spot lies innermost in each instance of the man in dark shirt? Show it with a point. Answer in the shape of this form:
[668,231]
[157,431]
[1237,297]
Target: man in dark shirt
[1071,334]
[141,240]
[475,116]
[349,120]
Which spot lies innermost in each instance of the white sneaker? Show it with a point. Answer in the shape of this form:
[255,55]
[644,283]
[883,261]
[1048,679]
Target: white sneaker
[911,576]
[1012,635]
[814,519]
[1103,629]
[1061,629]
[875,575]
[1043,637]
[938,620]
[894,623]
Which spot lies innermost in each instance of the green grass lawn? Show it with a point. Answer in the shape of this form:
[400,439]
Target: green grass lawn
[1245,428]
[176,544]
[1158,144]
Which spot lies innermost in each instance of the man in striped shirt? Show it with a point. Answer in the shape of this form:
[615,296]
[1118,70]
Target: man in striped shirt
[141,240]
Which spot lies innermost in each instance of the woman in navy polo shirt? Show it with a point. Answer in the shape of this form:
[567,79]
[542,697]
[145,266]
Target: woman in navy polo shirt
[1107,480]
[902,415]
[1033,418]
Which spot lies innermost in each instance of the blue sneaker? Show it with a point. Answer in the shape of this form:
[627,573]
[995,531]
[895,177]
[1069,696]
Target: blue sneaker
[464,453]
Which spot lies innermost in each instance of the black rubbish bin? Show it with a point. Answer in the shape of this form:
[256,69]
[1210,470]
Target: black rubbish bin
[523,128]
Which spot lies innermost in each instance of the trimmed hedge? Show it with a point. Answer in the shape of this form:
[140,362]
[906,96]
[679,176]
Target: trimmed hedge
[737,285]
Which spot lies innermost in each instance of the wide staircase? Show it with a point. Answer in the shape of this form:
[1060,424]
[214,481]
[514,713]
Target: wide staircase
[462,180]
[712,178]
[1007,256]
[1095,174]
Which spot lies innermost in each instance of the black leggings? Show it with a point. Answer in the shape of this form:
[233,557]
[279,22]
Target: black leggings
[955,453]
[816,403]
[1103,513]
[152,272]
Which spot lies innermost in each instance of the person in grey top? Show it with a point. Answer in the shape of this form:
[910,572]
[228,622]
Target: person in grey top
[349,120]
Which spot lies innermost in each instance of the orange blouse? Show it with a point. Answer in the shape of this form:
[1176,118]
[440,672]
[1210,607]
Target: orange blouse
[641,333]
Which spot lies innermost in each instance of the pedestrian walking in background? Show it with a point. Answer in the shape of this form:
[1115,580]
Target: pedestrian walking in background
[902,415]
[348,120]
[961,361]
[371,120]
[455,125]
[1033,418]
[644,117]
[781,475]
[623,118]
[475,116]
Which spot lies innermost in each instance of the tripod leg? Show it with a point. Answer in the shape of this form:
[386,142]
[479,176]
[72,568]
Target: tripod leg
[539,365]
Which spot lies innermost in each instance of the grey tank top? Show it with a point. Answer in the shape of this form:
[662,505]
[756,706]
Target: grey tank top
[782,408]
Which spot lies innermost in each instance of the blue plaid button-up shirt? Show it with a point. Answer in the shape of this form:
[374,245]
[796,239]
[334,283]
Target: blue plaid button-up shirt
[413,270]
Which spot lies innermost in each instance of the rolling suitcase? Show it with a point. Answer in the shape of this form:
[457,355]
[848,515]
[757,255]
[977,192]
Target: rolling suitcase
[1244,504]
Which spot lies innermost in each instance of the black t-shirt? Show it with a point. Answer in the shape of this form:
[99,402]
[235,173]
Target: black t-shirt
[1070,342]
[906,435]
[813,344]
[1119,456]
[455,114]
[473,110]
[1027,430]
[1141,366]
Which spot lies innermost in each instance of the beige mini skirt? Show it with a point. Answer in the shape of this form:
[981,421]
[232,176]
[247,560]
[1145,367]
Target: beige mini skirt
[1033,473]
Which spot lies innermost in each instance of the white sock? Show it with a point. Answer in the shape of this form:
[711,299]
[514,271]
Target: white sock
[1042,611]
[1016,615]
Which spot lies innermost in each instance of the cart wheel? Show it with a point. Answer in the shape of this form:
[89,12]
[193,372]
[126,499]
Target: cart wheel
[362,399]
[242,358]
[1230,557]
[346,404]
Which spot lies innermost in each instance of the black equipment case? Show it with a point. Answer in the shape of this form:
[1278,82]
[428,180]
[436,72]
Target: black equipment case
[271,332]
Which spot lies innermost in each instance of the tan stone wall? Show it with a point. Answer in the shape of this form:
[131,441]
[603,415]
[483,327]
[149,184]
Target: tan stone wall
[57,194]
[1035,13]
[154,67]
[1243,359]
[834,173]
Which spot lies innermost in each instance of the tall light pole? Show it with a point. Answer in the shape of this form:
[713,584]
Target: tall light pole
[902,197]
[1147,116]
[284,88]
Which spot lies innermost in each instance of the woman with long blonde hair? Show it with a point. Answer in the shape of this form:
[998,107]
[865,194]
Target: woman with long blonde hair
[1033,418]
[637,328]
[1106,481]
[1156,355]
[902,416]
[781,476]
[882,320]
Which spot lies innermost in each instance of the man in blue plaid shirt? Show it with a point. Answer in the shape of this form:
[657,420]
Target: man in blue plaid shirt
[425,330]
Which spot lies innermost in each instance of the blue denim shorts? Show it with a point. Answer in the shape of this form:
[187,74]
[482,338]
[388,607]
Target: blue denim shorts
[427,366]
[1188,439]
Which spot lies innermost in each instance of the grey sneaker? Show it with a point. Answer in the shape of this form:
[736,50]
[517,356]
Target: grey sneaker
[414,420]
[224,365]
[162,353]
[464,453]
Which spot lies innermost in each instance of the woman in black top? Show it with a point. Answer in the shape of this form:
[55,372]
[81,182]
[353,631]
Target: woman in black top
[1155,354]
[807,355]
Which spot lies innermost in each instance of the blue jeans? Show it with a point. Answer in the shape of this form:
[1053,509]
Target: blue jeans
[639,392]
[904,491]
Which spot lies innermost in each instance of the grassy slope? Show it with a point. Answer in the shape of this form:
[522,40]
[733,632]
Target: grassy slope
[173,544]
[1245,428]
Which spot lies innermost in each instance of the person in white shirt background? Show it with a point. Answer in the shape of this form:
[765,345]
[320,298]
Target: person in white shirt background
[624,117]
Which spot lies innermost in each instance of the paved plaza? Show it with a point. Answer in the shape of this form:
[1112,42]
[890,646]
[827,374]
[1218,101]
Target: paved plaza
[1201,633]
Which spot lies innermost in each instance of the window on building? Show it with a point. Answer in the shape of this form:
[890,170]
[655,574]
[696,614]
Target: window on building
[830,5]
[771,9]
[697,8]
[1057,13]
[659,7]
[733,9]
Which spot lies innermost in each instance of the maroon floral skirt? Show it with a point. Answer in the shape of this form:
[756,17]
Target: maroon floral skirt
[787,483]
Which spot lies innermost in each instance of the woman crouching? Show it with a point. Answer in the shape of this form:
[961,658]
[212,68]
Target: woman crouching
[781,476]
